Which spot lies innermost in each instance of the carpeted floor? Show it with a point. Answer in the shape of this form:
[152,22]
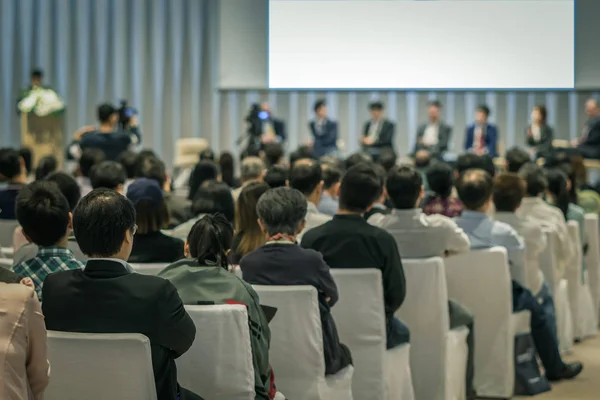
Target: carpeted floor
[587,385]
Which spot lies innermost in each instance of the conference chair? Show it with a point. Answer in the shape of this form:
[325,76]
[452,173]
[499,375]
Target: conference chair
[7,229]
[559,287]
[592,258]
[296,352]
[379,374]
[481,281]
[585,318]
[148,269]
[438,355]
[219,363]
[100,366]
[6,263]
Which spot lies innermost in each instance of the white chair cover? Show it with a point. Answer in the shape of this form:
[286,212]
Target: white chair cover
[7,229]
[360,320]
[100,366]
[148,269]
[219,363]
[559,287]
[585,318]
[438,354]
[6,263]
[296,352]
[481,281]
[592,258]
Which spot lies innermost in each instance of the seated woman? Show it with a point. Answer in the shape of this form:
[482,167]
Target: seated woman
[25,367]
[281,261]
[203,171]
[440,198]
[539,134]
[203,276]
[211,198]
[248,236]
[150,245]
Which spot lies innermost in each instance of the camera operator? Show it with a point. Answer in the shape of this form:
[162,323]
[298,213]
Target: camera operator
[117,132]
[263,128]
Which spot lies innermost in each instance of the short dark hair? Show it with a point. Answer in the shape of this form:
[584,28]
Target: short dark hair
[227,165]
[108,174]
[473,161]
[535,179]
[404,184]
[484,109]
[68,187]
[27,156]
[10,163]
[360,188]
[375,105]
[357,158]
[422,158]
[318,104]
[206,155]
[210,239]
[440,178]
[301,153]
[105,111]
[509,190]
[277,176]
[434,103]
[516,157]
[202,172]
[152,168]
[387,158]
[43,213]
[306,176]
[331,175]
[101,220]
[214,197]
[37,73]
[543,112]
[128,160]
[273,153]
[45,167]
[282,210]
[89,158]
[474,188]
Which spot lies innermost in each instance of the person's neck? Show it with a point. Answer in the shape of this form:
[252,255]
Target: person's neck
[114,257]
[342,211]
[314,198]
[483,209]
[64,242]
[434,121]
[330,193]
[19,180]
[106,128]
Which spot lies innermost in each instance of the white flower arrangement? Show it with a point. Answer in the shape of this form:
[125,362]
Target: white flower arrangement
[42,102]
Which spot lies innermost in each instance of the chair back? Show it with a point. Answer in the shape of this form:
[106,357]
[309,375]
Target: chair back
[219,363]
[6,263]
[425,311]
[296,352]
[592,257]
[7,230]
[100,366]
[480,280]
[360,318]
[548,263]
[148,269]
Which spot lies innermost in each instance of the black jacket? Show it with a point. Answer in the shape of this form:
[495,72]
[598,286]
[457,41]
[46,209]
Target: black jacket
[106,298]
[386,134]
[156,247]
[590,147]
[543,146]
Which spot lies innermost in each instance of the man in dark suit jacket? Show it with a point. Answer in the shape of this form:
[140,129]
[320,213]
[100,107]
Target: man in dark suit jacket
[589,143]
[434,135]
[324,131]
[378,132]
[482,137]
[106,297]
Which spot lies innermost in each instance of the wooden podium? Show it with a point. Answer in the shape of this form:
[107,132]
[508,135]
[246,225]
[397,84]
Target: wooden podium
[44,136]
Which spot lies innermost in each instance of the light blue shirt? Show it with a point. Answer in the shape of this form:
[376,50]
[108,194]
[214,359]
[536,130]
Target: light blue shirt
[484,232]
[328,205]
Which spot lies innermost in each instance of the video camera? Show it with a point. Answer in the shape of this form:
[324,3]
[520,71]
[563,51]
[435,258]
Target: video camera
[255,119]
[125,114]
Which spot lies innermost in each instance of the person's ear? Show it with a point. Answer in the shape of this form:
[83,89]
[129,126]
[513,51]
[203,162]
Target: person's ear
[301,227]
[263,227]
[70,224]
[186,249]
[22,164]
[129,236]
[120,189]
[287,183]
[320,187]
[422,193]
[167,185]
[336,190]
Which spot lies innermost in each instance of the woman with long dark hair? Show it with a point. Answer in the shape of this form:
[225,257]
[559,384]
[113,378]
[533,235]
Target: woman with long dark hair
[539,134]
[202,172]
[227,164]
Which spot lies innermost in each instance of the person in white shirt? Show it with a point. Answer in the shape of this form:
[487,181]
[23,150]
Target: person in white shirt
[550,217]
[434,135]
[307,177]
[420,236]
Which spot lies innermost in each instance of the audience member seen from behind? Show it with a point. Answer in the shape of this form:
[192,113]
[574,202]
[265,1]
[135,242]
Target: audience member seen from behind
[227,165]
[277,176]
[213,197]
[14,175]
[482,137]
[332,176]
[27,155]
[128,160]
[516,157]
[248,235]
[301,153]
[307,177]
[44,214]
[25,369]
[421,236]
[357,158]
[280,261]
[348,241]
[150,245]
[203,277]
[45,167]
[539,135]
[253,170]
[108,175]
[25,250]
[107,297]
[273,154]
[387,159]
[202,172]
[381,204]
[89,158]
[440,198]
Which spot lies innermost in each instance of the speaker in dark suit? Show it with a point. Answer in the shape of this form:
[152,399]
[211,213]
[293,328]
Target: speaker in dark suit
[589,143]
[482,137]
[378,132]
[434,135]
[324,131]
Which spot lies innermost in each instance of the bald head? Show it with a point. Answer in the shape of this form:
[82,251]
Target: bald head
[474,189]
[253,168]
[591,108]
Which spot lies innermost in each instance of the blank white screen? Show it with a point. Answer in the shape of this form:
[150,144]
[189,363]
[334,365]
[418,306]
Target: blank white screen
[373,44]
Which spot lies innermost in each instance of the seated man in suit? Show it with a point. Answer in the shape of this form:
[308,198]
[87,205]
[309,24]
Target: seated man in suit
[107,297]
[588,145]
[475,189]
[378,132]
[421,236]
[324,131]
[13,176]
[348,241]
[482,137]
[434,135]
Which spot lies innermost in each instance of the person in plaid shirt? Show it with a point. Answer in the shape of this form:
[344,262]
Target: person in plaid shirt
[44,214]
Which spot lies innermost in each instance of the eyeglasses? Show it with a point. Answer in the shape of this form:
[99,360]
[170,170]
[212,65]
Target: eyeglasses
[134,230]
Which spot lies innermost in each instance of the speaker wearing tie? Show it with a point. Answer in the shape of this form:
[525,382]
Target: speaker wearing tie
[482,137]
